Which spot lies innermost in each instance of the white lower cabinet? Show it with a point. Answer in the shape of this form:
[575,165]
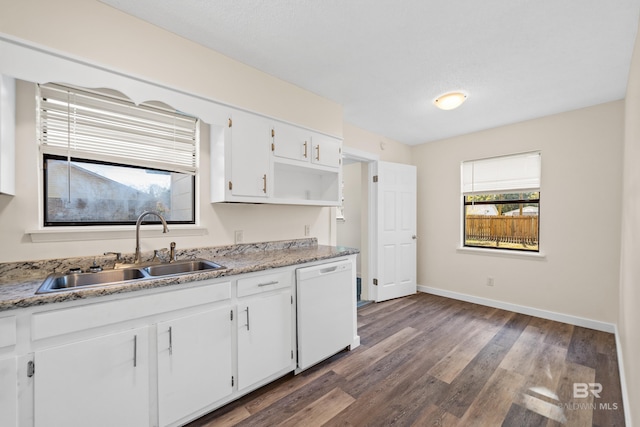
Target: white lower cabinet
[8,392]
[194,363]
[264,336]
[101,381]
[158,358]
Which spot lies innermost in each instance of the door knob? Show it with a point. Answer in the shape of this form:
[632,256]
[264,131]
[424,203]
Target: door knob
[414,237]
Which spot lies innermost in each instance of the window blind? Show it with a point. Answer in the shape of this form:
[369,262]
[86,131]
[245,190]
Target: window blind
[90,125]
[514,173]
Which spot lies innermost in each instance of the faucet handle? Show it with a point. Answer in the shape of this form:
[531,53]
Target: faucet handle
[156,254]
[95,268]
[172,253]
[117,254]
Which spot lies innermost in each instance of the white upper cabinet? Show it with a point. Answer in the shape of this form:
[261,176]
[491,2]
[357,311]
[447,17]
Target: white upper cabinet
[260,160]
[7,134]
[290,142]
[240,165]
[326,151]
[250,137]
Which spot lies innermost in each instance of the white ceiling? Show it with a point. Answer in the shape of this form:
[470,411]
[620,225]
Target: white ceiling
[385,61]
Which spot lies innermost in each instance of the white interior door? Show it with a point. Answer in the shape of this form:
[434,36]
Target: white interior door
[395,269]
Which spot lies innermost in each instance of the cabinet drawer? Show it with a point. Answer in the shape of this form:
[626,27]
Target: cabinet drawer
[7,331]
[67,320]
[264,283]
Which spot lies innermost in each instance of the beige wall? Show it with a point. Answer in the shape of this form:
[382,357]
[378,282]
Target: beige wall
[94,32]
[349,230]
[580,225]
[388,149]
[20,213]
[629,318]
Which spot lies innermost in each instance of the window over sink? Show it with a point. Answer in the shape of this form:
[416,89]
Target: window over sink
[106,159]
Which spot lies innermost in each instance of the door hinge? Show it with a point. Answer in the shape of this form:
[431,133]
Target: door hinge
[31,368]
[232,381]
[231,315]
[291,299]
[230,122]
[273,133]
[230,186]
[375,178]
[273,147]
[292,354]
[375,282]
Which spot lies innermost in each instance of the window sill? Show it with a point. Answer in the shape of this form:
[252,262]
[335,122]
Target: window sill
[74,234]
[503,253]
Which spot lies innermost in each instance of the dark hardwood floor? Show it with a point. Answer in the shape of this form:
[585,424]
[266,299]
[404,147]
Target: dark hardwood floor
[425,360]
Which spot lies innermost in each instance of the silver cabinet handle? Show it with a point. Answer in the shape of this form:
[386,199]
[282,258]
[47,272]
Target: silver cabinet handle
[135,351]
[264,187]
[170,340]
[318,152]
[305,149]
[274,282]
[247,310]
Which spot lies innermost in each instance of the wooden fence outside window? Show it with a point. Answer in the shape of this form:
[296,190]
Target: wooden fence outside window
[505,229]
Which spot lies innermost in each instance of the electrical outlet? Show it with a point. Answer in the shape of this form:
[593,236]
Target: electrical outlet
[307,230]
[239,236]
[489,281]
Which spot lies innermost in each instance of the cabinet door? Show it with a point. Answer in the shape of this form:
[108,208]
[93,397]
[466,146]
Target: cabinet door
[250,144]
[290,142]
[7,135]
[102,381]
[194,363]
[264,336]
[326,151]
[8,392]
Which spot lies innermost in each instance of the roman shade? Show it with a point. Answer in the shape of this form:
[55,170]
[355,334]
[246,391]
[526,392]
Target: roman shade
[504,174]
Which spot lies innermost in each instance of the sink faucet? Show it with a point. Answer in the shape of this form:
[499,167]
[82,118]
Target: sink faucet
[136,259]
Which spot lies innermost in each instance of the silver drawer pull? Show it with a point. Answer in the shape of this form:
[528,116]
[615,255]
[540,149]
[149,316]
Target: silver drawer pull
[135,351]
[170,340]
[275,282]
[247,325]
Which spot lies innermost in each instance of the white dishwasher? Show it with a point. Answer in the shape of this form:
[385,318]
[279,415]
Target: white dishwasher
[325,311]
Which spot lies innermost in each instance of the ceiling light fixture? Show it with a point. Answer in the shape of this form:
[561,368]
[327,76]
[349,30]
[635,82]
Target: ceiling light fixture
[450,100]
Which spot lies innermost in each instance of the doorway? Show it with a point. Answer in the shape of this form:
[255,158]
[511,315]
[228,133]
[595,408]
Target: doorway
[353,227]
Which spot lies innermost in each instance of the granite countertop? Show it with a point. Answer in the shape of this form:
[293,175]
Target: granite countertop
[20,281]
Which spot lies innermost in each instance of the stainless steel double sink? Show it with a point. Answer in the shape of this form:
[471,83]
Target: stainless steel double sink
[70,281]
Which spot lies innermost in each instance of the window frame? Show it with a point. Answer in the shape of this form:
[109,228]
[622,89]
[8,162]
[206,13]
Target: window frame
[466,203]
[516,173]
[149,220]
[104,157]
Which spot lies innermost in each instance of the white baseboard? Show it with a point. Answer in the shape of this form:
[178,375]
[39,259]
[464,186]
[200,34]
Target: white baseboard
[531,311]
[623,381]
[551,315]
